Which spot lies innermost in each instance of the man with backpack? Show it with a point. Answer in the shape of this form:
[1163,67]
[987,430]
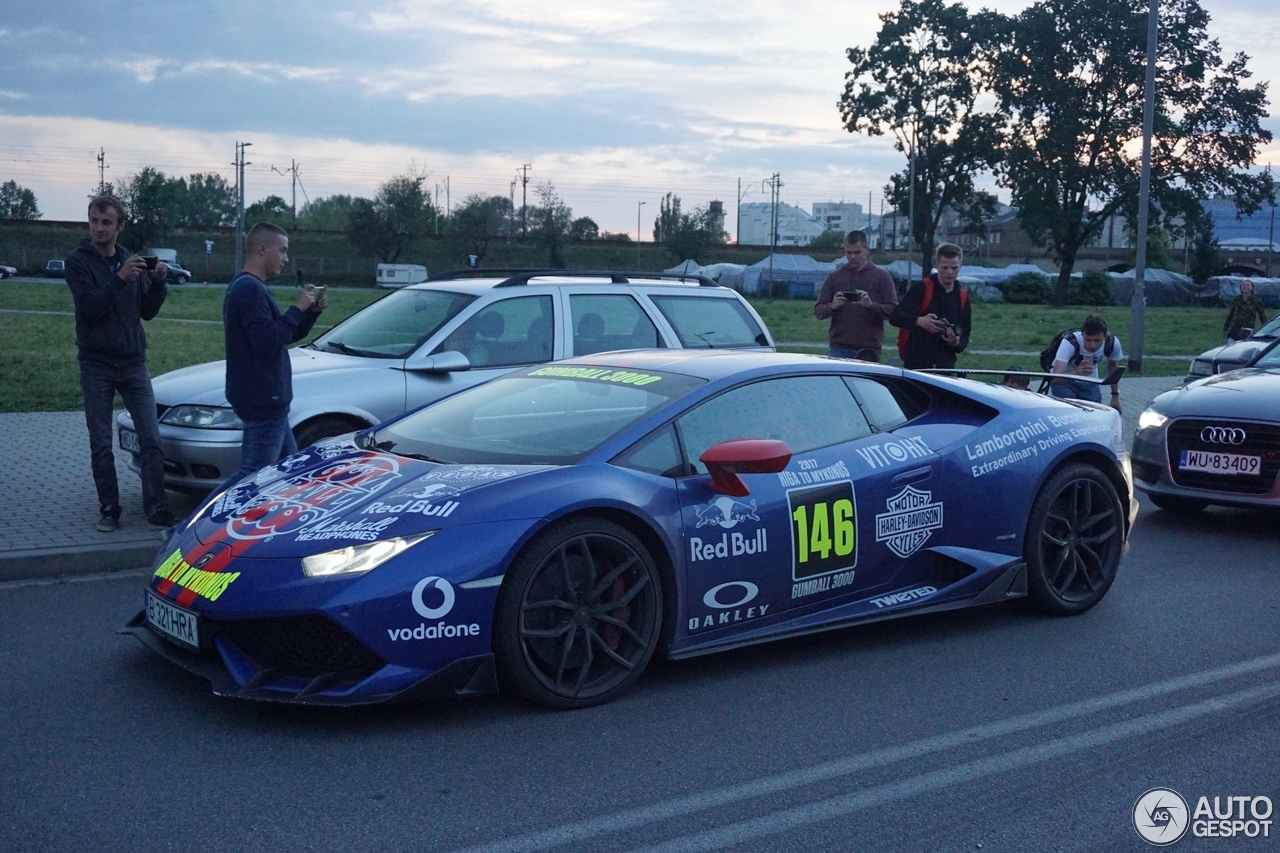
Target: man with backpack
[933,315]
[1078,354]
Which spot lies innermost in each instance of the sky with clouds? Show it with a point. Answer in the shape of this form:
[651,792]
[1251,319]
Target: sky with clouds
[615,103]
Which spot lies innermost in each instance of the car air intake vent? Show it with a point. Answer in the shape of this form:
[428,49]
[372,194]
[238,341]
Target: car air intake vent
[302,645]
[1261,440]
[945,570]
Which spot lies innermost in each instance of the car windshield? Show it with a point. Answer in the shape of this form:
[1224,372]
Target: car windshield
[395,326]
[552,415]
[1269,331]
[1270,357]
[704,322]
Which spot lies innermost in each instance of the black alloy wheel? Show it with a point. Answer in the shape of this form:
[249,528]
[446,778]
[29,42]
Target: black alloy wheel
[578,616]
[1075,539]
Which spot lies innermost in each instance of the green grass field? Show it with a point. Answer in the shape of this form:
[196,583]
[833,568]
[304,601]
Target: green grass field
[38,352]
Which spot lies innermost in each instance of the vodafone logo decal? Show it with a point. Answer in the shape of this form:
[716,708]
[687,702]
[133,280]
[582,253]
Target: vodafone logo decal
[426,591]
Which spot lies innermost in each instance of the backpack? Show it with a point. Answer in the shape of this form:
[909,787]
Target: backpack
[904,335]
[1050,353]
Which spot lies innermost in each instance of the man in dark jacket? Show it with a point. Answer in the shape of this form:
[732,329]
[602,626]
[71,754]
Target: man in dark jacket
[856,297]
[114,292]
[935,314]
[259,375]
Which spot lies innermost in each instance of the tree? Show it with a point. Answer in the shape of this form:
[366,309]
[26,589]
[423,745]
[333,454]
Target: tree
[1205,260]
[17,202]
[830,239]
[1071,152]
[326,214]
[271,209]
[686,235]
[551,220]
[399,214]
[668,220]
[584,228]
[152,201]
[207,201]
[476,221]
[920,80]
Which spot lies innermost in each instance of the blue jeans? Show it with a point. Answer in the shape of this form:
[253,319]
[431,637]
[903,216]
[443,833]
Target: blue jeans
[1073,390]
[865,354]
[264,443]
[99,382]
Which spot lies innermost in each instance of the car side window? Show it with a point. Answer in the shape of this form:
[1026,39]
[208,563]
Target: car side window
[807,412]
[610,321]
[505,333]
[702,321]
[878,403]
[658,453]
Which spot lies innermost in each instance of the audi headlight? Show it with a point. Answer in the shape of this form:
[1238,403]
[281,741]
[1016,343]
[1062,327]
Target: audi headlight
[1201,367]
[1151,419]
[202,417]
[359,558]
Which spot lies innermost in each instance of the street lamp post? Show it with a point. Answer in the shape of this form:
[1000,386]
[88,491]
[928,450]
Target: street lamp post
[1138,304]
[639,205]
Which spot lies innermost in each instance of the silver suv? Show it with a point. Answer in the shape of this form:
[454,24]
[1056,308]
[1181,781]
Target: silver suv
[429,340]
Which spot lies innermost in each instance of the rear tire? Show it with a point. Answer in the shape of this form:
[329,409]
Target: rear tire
[578,615]
[182,279]
[1074,542]
[320,428]
[1170,503]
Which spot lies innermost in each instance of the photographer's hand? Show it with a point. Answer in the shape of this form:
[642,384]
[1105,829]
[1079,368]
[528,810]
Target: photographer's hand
[930,323]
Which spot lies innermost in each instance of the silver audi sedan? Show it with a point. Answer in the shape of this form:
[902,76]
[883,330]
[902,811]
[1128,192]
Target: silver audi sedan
[426,341]
[1214,441]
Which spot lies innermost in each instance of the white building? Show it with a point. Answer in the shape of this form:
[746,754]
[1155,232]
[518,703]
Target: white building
[795,227]
[842,216]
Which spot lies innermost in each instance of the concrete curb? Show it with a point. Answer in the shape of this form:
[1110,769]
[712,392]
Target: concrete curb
[82,560]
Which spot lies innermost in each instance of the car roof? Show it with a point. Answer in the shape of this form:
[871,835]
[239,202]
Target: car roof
[713,364]
[463,283]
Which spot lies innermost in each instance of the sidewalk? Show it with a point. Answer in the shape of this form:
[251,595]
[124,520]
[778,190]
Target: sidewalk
[49,504]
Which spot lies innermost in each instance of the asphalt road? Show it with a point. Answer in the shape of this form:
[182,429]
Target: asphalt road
[991,729]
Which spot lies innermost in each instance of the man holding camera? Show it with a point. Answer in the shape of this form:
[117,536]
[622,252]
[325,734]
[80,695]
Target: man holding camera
[934,315]
[856,297]
[114,291]
[259,374]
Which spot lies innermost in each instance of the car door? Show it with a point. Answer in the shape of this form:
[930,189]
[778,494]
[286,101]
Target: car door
[496,337]
[601,321]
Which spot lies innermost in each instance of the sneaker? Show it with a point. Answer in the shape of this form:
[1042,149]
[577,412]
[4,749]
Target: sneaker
[107,524]
[162,520]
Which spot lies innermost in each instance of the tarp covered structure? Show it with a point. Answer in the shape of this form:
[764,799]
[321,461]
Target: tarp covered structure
[730,275]
[801,274]
[1160,287]
[1223,288]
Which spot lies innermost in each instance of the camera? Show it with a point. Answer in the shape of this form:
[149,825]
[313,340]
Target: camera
[948,326]
[853,295]
[151,261]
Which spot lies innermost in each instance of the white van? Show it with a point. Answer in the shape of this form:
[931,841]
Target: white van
[398,275]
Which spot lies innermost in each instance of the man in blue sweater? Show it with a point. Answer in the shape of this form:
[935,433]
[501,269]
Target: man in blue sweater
[114,291]
[259,376]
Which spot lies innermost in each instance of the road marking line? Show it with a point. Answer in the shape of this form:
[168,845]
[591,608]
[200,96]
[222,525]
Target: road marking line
[767,785]
[99,576]
[794,818]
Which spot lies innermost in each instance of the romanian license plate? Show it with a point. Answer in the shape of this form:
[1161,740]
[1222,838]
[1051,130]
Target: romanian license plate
[129,441]
[1220,463]
[182,625]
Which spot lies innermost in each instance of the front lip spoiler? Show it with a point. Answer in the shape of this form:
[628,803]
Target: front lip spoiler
[463,677]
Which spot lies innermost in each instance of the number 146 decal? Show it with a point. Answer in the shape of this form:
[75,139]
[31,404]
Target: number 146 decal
[824,529]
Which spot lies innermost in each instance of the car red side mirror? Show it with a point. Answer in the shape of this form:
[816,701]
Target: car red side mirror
[728,459]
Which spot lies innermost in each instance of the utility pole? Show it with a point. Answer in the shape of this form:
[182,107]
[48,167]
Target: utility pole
[102,169]
[240,164]
[1137,317]
[868,211]
[511,221]
[1271,231]
[524,200]
[774,183]
[292,172]
[448,205]
[436,204]
[911,207]
[639,205]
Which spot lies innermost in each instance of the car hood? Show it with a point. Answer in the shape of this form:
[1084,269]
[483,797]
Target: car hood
[1239,352]
[206,384]
[334,495]
[1252,393]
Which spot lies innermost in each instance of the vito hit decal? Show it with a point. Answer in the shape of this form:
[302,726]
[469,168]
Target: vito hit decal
[727,513]
[824,530]
[731,601]
[910,518]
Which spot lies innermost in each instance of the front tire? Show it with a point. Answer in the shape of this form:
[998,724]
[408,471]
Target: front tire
[1074,542]
[182,279]
[578,616]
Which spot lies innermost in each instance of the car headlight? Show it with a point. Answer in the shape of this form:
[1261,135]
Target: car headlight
[202,417]
[1201,367]
[360,558]
[1151,419]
